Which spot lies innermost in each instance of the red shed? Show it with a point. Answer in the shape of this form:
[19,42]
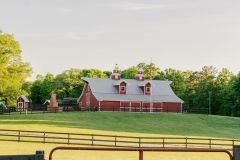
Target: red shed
[129,95]
[22,103]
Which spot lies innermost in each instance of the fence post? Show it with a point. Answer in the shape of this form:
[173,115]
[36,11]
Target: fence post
[210,143]
[233,143]
[186,141]
[163,140]
[140,155]
[44,137]
[19,136]
[115,141]
[139,142]
[68,138]
[92,139]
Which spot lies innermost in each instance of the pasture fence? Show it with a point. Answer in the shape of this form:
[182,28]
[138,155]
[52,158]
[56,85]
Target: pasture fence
[116,141]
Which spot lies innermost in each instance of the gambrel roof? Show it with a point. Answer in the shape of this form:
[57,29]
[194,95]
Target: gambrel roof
[103,89]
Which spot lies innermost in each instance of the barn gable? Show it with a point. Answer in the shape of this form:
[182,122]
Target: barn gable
[23,98]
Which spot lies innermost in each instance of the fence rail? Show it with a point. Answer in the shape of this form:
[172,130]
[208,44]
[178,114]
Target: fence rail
[115,141]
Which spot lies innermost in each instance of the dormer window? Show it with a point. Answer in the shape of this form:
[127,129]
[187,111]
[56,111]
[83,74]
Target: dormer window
[148,89]
[123,88]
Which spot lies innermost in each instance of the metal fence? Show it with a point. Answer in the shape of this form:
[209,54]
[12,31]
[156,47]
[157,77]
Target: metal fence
[115,141]
[142,150]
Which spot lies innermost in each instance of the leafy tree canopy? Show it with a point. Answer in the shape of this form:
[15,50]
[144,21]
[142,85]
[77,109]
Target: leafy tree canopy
[13,71]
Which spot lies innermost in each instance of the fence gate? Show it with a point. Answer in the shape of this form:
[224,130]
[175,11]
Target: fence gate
[142,150]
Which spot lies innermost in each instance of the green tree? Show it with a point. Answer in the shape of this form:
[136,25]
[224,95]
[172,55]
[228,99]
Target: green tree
[69,83]
[129,73]
[178,79]
[206,88]
[13,71]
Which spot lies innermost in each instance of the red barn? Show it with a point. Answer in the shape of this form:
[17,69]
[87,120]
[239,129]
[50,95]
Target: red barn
[129,95]
[22,103]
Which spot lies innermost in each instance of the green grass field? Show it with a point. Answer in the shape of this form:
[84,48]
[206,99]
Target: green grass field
[156,123]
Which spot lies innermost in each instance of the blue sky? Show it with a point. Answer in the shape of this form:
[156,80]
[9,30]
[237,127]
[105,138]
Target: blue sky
[56,35]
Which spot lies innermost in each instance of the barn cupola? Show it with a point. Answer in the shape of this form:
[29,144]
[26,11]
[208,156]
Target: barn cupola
[116,73]
[139,76]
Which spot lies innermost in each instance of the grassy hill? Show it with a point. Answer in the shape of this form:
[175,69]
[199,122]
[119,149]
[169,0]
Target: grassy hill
[161,123]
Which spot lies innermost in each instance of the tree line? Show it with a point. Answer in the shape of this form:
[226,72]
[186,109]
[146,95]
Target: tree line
[198,89]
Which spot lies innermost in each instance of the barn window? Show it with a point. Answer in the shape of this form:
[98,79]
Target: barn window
[123,88]
[148,89]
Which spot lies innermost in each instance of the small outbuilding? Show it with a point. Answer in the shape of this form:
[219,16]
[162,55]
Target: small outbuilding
[22,103]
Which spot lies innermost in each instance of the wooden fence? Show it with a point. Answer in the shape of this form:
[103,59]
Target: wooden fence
[115,141]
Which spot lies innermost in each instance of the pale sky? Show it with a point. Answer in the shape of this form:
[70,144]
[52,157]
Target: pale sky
[56,35]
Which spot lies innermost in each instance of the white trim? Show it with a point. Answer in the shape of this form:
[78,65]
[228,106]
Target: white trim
[99,105]
[130,105]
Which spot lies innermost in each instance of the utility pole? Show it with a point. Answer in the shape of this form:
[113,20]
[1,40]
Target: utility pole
[209,102]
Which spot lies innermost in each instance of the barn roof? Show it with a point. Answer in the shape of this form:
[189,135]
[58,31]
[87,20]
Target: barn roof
[103,89]
[24,98]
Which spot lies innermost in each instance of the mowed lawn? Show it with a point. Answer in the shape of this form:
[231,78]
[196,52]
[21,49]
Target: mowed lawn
[129,124]
[152,123]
